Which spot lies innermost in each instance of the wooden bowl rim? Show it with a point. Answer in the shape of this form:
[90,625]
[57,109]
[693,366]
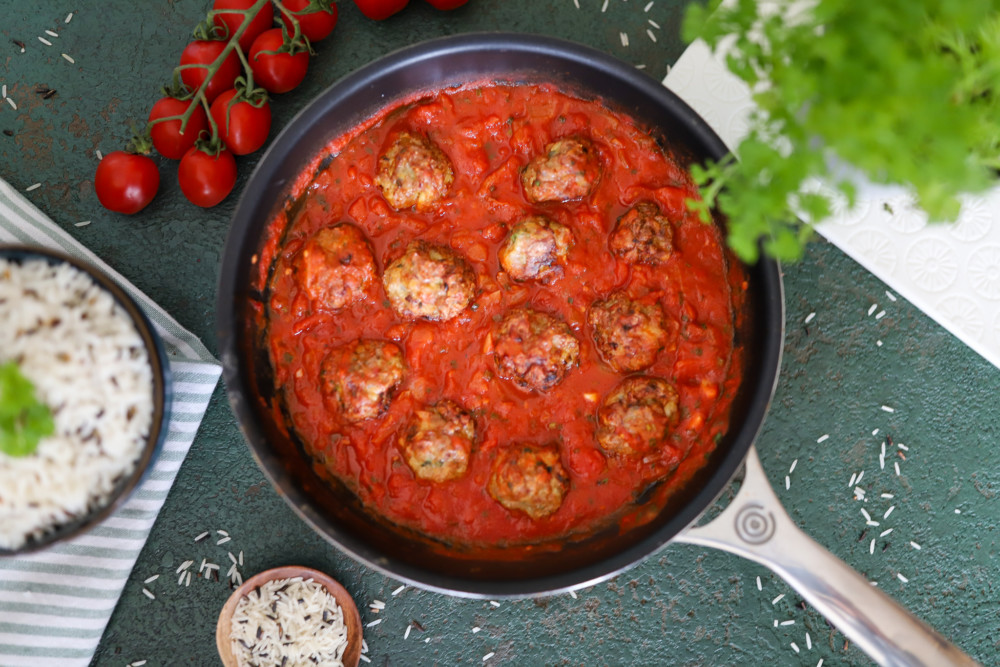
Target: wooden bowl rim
[352,618]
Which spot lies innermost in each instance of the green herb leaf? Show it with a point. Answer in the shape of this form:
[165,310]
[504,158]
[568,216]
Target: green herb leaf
[905,91]
[24,420]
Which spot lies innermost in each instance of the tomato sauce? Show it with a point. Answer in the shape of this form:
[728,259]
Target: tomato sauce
[490,133]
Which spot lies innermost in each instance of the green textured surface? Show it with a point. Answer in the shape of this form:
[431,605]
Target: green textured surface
[683,606]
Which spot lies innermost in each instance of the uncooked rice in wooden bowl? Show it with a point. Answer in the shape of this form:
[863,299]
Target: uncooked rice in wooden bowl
[95,361]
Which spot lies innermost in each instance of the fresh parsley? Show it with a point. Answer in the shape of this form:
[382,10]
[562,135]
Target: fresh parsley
[24,420]
[905,91]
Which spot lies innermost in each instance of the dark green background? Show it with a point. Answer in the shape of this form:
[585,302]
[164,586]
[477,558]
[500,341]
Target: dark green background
[683,606]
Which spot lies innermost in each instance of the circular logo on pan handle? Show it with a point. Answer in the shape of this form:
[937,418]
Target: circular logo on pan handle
[754,524]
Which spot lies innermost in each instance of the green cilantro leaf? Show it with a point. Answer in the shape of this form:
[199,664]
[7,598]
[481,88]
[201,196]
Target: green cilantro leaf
[24,420]
[905,91]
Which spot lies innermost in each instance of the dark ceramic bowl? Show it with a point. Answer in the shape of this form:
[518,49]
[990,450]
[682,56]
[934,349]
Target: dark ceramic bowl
[330,508]
[162,394]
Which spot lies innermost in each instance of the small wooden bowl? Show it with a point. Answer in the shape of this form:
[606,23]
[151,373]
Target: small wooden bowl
[352,619]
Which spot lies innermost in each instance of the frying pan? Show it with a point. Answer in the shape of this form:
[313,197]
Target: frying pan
[754,525]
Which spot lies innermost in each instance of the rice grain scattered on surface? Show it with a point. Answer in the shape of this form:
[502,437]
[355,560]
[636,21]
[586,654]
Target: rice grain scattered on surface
[809,318]
[823,438]
[68,58]
[899,575]
[44,41]
[777,599]
[148,593]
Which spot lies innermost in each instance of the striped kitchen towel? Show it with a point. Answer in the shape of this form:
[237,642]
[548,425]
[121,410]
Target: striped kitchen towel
[55,604]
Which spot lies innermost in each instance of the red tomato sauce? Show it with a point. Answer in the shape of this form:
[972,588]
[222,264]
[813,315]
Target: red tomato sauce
[490,133]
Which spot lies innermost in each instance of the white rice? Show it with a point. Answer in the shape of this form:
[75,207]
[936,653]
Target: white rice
[88,363]
[289,622]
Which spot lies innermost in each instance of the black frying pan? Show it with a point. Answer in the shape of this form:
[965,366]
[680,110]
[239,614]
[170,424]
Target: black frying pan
[334,512]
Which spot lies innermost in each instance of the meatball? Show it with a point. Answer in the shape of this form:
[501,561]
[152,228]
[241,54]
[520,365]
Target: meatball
[643,235]
[536,249]
[429,281]
[568,169]
[335,266]
[636,416]
[361,377]
[628,334]
[413,172]
[437,441]
[529,479]
[534,350]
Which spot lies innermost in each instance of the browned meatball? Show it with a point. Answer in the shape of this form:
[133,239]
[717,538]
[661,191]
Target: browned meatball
[534,350]
[529,479]
[643,235]
[361,377]
[335,266]
[567,170]
[536,249]
[413,172]
[628,334]
[429,281]
[437,441]
[636,416]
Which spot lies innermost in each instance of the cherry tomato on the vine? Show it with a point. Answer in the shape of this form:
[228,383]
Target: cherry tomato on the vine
[378,10]
[276,72]
[446,4]
[168,140]
[126,182]
[243,126]
[203,53]
[206,179]
[316,25]
[260,22]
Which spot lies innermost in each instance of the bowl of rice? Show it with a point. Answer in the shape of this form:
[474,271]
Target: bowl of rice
[289,615]
[86,355]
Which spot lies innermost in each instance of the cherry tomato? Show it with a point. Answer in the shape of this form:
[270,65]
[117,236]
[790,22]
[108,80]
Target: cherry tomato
[243,126]
[260,22]
[316,25]
[168,140]
[205,52]
[206,179]
[378,10]
[276,72]
[126,182]
[446,4]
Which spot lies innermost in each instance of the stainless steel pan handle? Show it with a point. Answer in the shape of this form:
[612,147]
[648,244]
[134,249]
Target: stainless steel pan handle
[756,526]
